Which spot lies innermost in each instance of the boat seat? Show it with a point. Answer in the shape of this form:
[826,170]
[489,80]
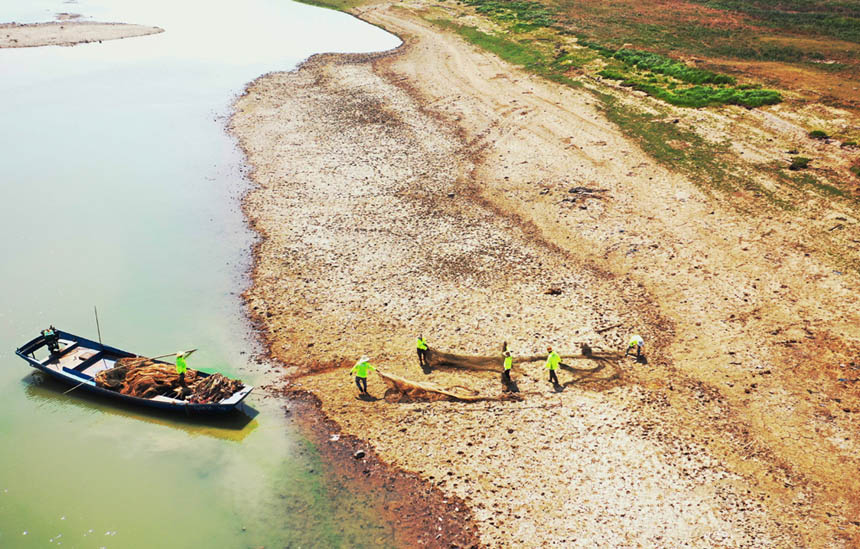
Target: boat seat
[77,373]
[69,346]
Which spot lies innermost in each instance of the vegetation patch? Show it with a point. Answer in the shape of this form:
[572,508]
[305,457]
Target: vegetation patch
[660,64]
[512,51]
[833,18]
[818,134]
[638,69]
[799,163]
[522,16]
[685,151]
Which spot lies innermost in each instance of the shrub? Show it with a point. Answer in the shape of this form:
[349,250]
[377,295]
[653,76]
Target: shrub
[818,134]
[848,144]
[799,163]
[664,65]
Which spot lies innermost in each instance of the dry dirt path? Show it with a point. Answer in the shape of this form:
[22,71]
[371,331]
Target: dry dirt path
[424,191]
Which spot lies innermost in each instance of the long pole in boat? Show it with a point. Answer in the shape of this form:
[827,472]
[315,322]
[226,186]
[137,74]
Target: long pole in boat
[99,331]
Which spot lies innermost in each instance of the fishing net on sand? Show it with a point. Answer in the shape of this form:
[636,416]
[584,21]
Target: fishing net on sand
[440,360]
[141,377]
[401,389]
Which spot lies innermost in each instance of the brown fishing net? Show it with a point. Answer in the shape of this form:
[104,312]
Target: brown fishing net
[438,359]
[401,389]
[141,377]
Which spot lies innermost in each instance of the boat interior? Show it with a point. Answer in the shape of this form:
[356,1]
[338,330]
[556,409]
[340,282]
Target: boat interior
[78,360]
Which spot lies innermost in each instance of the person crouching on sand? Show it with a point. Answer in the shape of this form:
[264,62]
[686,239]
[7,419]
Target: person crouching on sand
[636,342]
[360,371]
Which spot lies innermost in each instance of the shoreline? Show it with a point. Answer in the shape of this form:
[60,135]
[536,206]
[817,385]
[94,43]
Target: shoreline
[68,33]
[732,472]
[419,512]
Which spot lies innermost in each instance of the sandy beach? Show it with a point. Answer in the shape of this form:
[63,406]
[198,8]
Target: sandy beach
[437,190]
[67,33]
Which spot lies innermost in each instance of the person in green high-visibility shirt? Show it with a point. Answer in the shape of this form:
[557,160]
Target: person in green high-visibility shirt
[422,352]
[637,342]
[508,364]
[181,367]
[552,361]
[360,371]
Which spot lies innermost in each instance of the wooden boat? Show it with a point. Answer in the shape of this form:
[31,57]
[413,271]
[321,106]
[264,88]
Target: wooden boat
[78,360]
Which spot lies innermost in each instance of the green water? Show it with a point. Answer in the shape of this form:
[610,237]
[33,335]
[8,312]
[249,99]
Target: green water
[120,189]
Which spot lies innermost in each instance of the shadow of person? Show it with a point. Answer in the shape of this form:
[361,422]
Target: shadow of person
[557,388]
[510,385]
[426,369]
[367,397]
[601,364]
[641,359]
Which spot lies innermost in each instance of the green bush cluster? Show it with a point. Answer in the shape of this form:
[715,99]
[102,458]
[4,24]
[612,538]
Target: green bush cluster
[799,163]
[664,65]
[818,134]
[698,96]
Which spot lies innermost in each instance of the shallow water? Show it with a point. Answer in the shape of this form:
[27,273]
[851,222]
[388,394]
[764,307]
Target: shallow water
[120,190]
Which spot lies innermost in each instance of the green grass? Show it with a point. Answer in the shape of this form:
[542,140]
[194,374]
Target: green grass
[661,64]
[832,18]
[684,151]
[685,86]
[696,96]
[809,181]
[522,16]
[638,68]
[855,169]
[517,53]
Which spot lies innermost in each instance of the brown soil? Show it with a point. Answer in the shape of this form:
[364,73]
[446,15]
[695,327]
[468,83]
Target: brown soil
[420,513]
[67,33]
[427,191]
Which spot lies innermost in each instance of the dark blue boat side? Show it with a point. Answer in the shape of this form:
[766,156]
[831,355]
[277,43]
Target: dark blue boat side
[80,359]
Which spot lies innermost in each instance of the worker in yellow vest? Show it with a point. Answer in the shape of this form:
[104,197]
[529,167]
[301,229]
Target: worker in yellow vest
[181,367]
[635,341]
[422,352]
[508,363]
[552,361]
[360,371]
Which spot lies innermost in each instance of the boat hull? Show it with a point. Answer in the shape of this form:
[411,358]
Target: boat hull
[83,382]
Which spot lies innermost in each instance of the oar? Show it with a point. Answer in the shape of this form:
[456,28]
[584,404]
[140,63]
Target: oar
[186,353]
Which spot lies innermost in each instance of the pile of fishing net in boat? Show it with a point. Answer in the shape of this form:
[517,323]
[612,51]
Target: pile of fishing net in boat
[141,377]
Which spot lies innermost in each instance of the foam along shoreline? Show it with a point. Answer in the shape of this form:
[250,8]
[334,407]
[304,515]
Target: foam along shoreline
[68,33]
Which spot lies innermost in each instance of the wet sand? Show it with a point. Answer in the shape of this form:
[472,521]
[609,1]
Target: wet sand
[67,33]
[437,190]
